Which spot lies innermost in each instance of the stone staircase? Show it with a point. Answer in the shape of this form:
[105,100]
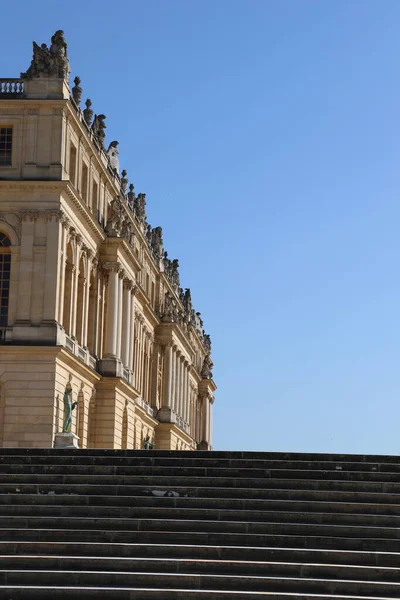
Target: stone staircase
[198,525]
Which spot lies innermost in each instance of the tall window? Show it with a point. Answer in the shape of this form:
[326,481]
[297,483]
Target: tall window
[84,183]
[72,164]
[5,146]
[5,267]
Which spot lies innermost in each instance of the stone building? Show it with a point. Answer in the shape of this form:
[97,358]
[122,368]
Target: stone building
[88,294]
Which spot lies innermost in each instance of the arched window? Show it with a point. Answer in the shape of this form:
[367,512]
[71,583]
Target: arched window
[5,269]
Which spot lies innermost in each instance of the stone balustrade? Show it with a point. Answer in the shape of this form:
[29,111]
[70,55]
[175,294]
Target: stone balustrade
[11,88]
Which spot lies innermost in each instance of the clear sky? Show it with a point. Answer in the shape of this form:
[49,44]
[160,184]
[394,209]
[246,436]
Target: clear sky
[266,136]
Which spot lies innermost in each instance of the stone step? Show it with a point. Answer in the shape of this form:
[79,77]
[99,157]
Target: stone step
[202,492]
[202,538]
[182,454]
[209,553]
[202,525]
[236,504]
[148,459]
[198,514]
[193,471]
[193,482]
[78,593]
[199,581]
[185,565]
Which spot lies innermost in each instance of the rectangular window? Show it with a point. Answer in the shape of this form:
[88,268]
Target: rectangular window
[72,165]
[5,264]
[5,146]
[85,178]
[95,197]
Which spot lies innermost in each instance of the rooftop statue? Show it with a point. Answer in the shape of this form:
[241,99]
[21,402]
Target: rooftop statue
[77,91]
[98,128]
[88,112]
[113,155]
[49,62]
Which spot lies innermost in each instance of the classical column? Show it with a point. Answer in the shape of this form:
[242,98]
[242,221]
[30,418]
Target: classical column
[63,262]
[28,218]
[113,269]
[86,298]
[177,381]
[53,272]
[206,418]
[168,366]
[186,394]
[120,311]
[126,323]
[74,299]
[182,388]
[132,329]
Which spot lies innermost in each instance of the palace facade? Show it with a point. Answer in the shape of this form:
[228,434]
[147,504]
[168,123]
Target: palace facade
[88,295]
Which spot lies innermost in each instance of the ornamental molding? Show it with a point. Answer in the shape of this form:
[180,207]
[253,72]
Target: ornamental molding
[13,220]
[53,215]
[112,267]
[28,215]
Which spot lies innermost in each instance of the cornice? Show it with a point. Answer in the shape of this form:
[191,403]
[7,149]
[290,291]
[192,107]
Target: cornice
[83,210]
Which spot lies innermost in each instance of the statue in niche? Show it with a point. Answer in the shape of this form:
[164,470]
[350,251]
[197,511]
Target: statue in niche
[49,62]
[69,406]
[88,113]
[77,91]
[113,156]
[98,128]
[140,207]
[131,196]
[124,182]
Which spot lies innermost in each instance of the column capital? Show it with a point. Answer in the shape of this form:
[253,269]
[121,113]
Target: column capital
[128,284]
[53,214]
[112,267]
[28,215]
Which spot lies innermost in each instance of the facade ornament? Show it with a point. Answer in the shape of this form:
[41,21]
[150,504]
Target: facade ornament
[115,217]
[53,214]
[124,182]
[88,113]
[207,341]
[77,91]
[28,215]
[148,234]
[113,267]
[14,221]
[166,263]
[65,222]
[49,62]
[98,128]
[174,273]
[157,242]
[126,232]
[131,196]
[206,371]
[140,207]
[113,152]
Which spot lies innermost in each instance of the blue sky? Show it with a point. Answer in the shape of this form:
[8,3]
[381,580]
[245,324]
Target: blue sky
[266,136]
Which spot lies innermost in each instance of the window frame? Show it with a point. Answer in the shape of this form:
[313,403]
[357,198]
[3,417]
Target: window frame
[7,164]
